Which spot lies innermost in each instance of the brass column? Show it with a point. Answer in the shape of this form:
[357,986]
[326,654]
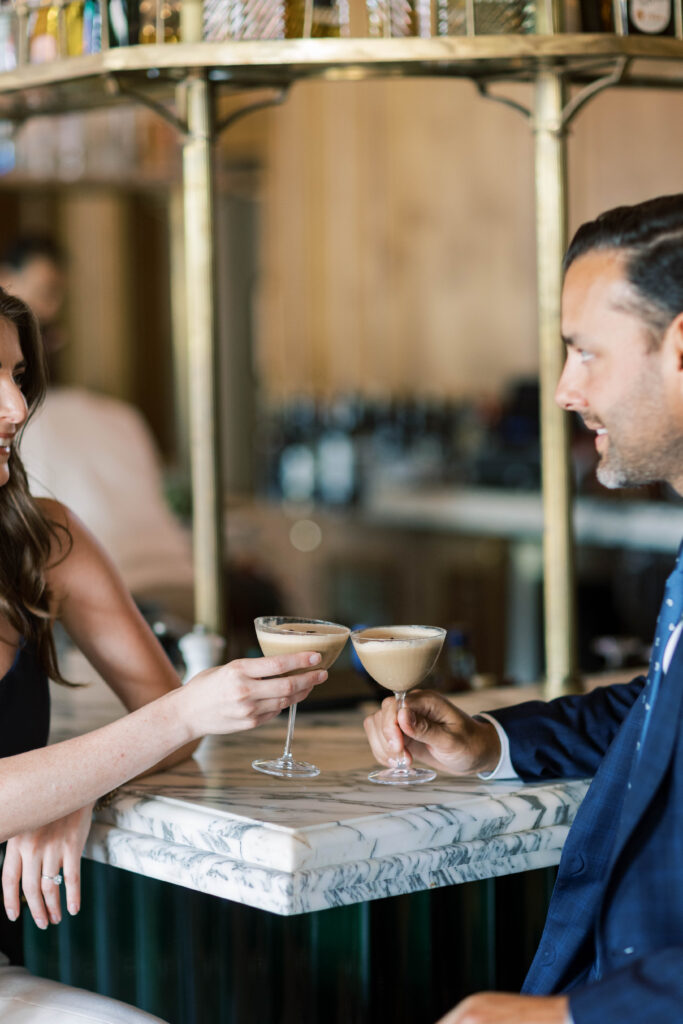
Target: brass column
[551,239]
[203,398]
[181,365]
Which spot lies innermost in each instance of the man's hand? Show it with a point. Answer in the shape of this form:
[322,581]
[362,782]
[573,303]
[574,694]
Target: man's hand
[505,1008]
[53,850]
[432,730]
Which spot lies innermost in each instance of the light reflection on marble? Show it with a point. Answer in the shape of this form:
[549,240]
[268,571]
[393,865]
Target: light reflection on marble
[288,846]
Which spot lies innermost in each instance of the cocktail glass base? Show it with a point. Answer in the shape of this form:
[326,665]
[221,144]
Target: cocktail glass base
[402,776]
[287,768]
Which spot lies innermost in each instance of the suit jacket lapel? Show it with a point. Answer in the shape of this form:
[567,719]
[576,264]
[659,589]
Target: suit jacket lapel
[657,751]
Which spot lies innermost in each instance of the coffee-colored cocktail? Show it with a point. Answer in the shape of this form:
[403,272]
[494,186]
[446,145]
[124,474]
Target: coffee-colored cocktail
[399,658]
[279,634]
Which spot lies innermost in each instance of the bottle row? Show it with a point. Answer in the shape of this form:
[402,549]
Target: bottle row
[339,452]
[32,31]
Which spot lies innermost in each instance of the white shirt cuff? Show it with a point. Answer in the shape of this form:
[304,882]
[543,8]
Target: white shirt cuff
[503,769]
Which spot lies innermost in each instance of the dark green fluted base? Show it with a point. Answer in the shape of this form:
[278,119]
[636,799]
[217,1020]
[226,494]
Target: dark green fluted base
[195,959]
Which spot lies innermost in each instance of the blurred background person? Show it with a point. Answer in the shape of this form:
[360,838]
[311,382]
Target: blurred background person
[97,455]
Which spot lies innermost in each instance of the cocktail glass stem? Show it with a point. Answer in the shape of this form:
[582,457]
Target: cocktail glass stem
[287,752]
[401,703]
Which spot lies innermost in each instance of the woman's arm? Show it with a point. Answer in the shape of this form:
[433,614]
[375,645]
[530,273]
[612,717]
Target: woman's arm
[43,785]
[100,616]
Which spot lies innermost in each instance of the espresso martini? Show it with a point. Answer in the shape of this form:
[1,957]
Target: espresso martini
[279,634]
[276,636]
[399,658]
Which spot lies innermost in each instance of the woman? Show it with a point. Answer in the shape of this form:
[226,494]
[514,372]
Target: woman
[52,568]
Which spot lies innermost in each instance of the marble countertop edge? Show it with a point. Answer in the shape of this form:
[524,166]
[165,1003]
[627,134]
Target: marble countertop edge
[474,812]
[305,891]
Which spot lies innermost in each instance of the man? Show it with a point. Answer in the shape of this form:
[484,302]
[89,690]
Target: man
[612,949]
[33,268]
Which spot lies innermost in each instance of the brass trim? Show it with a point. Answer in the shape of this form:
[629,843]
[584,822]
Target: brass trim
[207,518]
[551,240]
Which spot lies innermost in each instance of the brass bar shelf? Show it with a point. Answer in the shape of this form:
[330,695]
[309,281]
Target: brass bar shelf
[80,83]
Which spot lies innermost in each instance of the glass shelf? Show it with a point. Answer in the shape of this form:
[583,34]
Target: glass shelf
[79,83]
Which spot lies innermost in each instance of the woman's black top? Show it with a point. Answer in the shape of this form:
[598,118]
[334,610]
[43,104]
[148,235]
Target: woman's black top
[24,725]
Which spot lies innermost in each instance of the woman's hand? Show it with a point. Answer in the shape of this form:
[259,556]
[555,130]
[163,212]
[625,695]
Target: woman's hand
[436,732]
[52,850]
[249,692]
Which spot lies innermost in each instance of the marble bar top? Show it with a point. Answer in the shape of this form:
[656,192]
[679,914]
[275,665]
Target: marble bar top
[215,825]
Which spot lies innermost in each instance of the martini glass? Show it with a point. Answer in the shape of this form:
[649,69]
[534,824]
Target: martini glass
[281,634]
[398,658]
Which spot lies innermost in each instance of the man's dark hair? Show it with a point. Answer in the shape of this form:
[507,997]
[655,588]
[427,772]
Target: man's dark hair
[29,247]
[650,236]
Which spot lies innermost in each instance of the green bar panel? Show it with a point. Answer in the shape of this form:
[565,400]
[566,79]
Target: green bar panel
[196,959]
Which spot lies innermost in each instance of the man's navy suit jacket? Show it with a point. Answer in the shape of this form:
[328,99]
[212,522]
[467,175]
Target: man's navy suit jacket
[613,939]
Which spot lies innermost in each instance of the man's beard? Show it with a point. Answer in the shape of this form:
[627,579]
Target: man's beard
[613,477]
[618,469]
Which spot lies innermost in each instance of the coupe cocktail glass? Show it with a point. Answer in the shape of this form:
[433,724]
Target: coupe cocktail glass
[399,657]
[281,634]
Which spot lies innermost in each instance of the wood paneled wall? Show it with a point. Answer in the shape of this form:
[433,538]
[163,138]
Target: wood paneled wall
[95,231]
[398,242]
[389,217]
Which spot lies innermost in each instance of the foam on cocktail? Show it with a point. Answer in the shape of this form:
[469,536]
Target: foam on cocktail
[327,639]
[398,657]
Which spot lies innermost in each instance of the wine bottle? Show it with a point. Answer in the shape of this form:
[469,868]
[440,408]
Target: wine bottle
[8,39]
[316,19]
[649,18]
[598,16]
[73,17]
[152,17]
[92,27]
[43,34]
[148,22]
[124,22]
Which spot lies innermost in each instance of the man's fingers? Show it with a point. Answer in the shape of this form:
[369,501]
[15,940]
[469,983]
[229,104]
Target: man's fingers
[391,731]
[385,750]
[11,878]
[432,706]
[281,665]
[416,726]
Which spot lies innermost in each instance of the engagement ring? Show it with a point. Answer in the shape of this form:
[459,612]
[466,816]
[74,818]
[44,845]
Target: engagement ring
[55,879]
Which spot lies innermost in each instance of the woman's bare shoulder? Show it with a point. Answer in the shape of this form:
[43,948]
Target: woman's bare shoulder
[74,548]
[53,510]
[66,532]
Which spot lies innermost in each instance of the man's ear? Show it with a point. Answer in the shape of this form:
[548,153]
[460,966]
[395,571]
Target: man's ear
[674,338]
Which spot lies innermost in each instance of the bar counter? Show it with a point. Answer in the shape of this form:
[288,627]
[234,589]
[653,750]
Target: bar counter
[247,899]
[215,825]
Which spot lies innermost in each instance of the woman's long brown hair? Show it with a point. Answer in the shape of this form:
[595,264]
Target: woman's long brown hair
[28,540]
